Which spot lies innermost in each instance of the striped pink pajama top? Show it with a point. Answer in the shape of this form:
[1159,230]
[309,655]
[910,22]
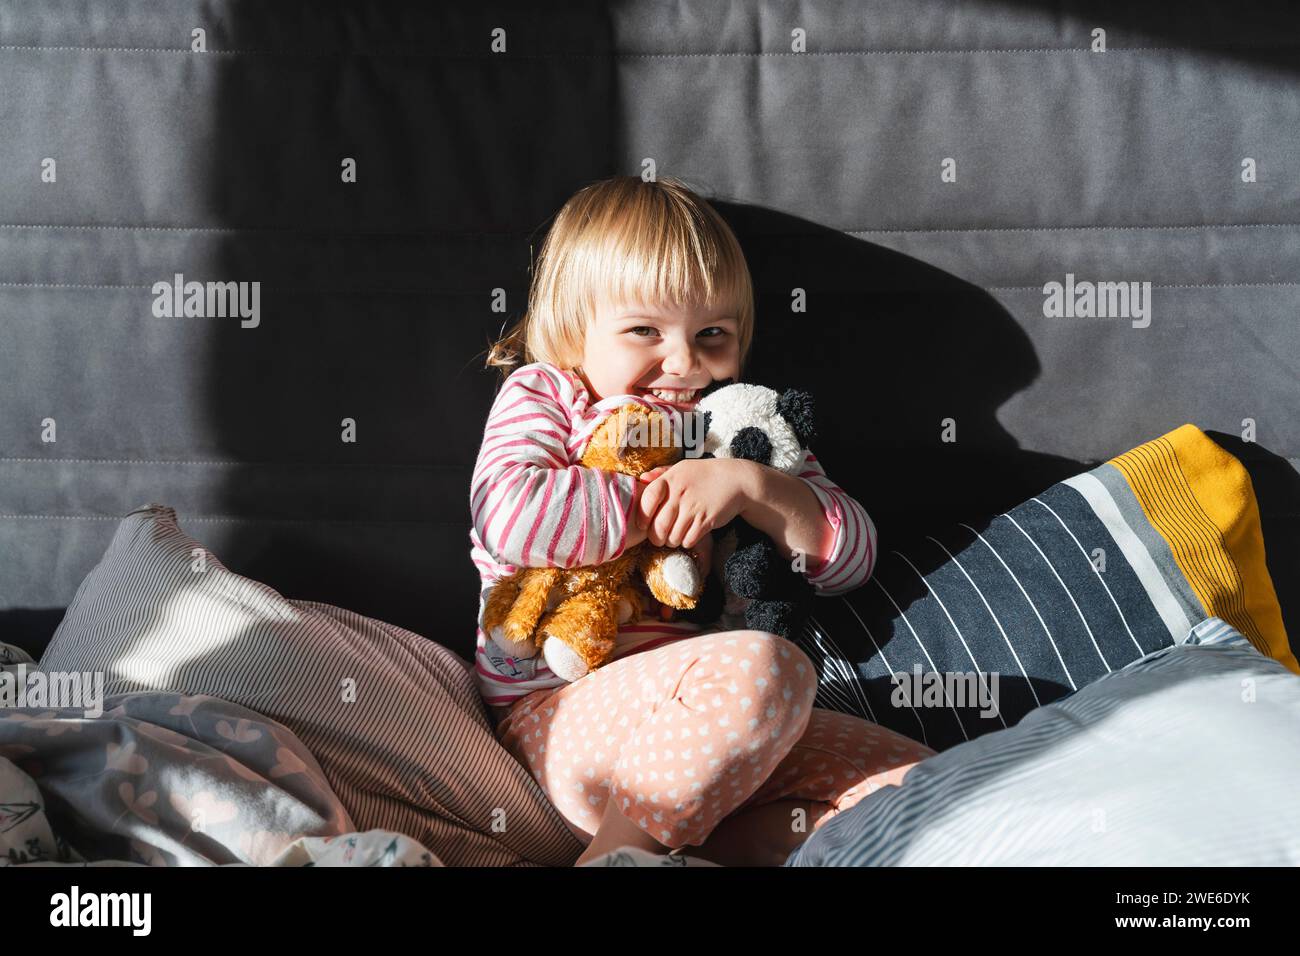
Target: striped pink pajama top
[533,506]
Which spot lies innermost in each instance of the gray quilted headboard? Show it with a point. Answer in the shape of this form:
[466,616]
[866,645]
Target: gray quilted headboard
[920,171]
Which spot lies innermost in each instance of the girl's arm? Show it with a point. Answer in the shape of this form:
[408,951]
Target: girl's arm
[530,507]
[813,515]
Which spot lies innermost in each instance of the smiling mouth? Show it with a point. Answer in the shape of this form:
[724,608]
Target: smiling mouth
[673,396]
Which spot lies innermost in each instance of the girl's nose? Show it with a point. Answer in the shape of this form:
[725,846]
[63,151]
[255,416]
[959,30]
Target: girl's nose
[681,361]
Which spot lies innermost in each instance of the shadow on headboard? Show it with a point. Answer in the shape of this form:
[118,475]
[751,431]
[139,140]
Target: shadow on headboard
[1265,38]
[891,347]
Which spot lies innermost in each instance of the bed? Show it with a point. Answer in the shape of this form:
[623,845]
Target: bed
[922,174]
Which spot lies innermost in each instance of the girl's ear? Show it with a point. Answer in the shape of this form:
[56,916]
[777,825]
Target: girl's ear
[796,407]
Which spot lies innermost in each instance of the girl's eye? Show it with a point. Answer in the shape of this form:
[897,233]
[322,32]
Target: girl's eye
[720,332]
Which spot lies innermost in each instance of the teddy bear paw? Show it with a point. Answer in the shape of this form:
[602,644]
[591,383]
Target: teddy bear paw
[563,660]
[518,649]
[682,574]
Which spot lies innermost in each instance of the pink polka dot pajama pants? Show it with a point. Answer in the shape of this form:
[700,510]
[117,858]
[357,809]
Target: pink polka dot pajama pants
[685,734]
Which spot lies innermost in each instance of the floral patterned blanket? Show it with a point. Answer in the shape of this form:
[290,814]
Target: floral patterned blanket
[164,779]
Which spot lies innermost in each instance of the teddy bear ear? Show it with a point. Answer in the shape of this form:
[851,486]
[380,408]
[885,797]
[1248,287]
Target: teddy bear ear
[796,406]
[621,443]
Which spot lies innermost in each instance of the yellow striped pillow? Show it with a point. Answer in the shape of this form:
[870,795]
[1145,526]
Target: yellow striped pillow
[1201,500]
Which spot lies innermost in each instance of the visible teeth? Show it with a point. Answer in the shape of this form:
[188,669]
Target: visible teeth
[668,395]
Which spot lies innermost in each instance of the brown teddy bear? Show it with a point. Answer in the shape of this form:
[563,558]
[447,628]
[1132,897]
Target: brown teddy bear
[572,614]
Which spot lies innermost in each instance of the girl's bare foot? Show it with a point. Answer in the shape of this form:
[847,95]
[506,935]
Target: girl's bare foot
[765,835]
[616,830]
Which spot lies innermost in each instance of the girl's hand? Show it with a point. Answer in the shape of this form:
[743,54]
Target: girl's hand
[685,502]
[703,551]
[636,532]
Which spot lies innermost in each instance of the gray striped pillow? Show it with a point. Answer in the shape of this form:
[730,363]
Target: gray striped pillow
[413,752]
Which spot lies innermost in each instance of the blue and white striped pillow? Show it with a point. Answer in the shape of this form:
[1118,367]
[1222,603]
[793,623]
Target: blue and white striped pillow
[1031,605]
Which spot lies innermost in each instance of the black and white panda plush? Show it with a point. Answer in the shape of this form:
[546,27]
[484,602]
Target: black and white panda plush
[742,420]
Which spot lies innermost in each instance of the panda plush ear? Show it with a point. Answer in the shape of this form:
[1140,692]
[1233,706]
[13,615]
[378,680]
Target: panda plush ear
[796,407]
[714,386]
[693,438]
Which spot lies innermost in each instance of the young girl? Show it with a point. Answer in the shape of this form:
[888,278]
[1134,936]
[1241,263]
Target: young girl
[687,737]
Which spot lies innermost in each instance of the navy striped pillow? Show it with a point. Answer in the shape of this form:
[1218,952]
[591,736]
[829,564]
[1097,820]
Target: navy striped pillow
[967,630]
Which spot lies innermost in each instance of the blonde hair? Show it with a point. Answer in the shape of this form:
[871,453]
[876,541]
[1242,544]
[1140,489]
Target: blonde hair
[634,242]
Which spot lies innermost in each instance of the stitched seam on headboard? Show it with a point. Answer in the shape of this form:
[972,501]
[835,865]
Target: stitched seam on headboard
[1166,285]
[427,234]
[270,286]
[313,290]
[1211,225]
[433,235]
[216,519]
[254,464]
[632,55]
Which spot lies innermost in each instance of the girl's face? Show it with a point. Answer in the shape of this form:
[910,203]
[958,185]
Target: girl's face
[635,349]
